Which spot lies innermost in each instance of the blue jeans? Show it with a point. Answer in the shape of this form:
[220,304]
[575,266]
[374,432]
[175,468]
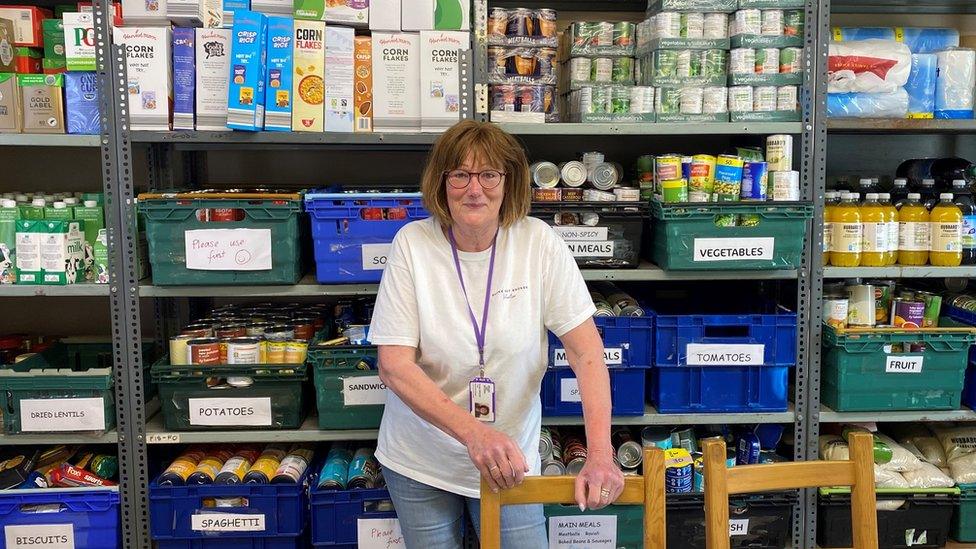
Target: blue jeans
[431,518]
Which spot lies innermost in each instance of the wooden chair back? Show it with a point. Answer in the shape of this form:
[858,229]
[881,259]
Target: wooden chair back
[646,490]
[857,472]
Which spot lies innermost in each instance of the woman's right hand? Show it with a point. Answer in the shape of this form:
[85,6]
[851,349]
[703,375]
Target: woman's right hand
[498,458]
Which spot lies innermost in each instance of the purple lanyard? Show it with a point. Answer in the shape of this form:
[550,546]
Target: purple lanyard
[479,334]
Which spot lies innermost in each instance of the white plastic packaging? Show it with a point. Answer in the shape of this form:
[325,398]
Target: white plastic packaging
[954,81]
[870,66]
[901,459]
[868,105]
[885,478]
[927,476]
[931,450]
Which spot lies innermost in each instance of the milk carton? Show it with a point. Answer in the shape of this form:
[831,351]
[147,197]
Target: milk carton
[308,112]
[8,241]
[278,89]
[212,78]
[184,78]
[11,106]
[339,78]
[245,97]
[82,112]
[363,88]
[196,13]
[28,260]
[348,12]
[416,15]
[100,258]
[232,6]
[145,12]
[43,105]
[62,251]
[440,98]
[149,82]
[79,41]
[384,15]
[396,82]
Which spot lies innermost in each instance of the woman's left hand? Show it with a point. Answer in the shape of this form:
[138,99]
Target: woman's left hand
[600,482]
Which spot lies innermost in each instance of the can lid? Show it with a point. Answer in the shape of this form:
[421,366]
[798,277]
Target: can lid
[914,196]
[884,196]
[871,196]
[7,203]
[831,194]
[855,196]
[60,205]
[70,200]
[901,182]
[865,181]
[958,182]
[945,196]
[927,182]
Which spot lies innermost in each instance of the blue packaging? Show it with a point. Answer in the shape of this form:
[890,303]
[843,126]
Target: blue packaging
[921,86]
[686,162]
[280,60]
[749,449]
[81,103]
[868,105]
[248,53]
[34,481]
[335,471]
[755,181]
[184,78]
[231,7]
[918,39]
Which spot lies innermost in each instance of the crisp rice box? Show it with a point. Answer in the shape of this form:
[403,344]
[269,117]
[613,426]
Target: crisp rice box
[440,98]
[308,111]
[82,114]
[396,82]
[278,89]
[245,97]
[212,78]
[184,78]
[148,84]
[339,78]
[145,12]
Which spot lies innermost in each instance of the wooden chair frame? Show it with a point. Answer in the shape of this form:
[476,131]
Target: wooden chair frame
[857,472]
[646,490]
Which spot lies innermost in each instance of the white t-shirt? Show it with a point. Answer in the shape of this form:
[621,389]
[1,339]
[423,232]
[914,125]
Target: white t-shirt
[536,286]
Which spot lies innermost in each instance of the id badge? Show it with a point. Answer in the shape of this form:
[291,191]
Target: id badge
[482,399]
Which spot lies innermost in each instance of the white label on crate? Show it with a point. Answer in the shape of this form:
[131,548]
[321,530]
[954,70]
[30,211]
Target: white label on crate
[613,356]
[379,533]
[738,527]
[733,249]
[363,391]
[725,354]
[584,530]
[903,364]
[230,411]
[374,256]
[62,414]
[582,233]
[162,438]
[591,249]
[226,522]
[569,390]
[39,536]
[228,249]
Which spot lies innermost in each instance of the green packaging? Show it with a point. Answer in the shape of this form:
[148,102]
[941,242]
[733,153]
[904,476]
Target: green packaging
[8,241]
[313,10]
[34,210]
[675,190]
[62,251]
[100,255]
[94,217]
[58,211]
[28,258]
[53,30]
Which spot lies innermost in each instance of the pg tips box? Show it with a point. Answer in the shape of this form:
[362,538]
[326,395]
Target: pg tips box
[308,114]
[278,93]
[440,90]
[339,78]
[62,251]
[79,41]
[248,53]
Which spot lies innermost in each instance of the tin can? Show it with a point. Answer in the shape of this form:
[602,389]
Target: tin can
[667,101]
[546,23]
[230,330]
[203,351]
[623,33]
[182,467]
[620,100]
[274,352]
[835,310]
[742,61]
[861,305]
[779,152]
[603,176]
[207,469]
[574,454]
[177,350]
[582,33]
[545,442]
[335,470]
[772,22]
[748,449]
[304,327]
[713,62]
[263,470]
[553,468]
[198,330]
[666,63]
[740,99]
[793,22]
[547,195]
[497,22]
[627,194]
[692,25]
[641,99]
[234,469]
[656,437]
[573,173]
[702,181]
[580,69]
[572,194]
[791,60]
[715,25]
[786,186]
[755,181]
[281,332]
[520,23]
[715,100]
[544,174]
[883,290]
[668,24]
[728,178]
[748,21]
[295,352]
[622,70]
[678,467]
[293,466]
[764,99]
[907,314]
[629,451]
[667,167]
[498,57]
[244,350]
[256,329]
[604,33]
[674,190]
[787,98]
[933,306]
[767,61]
[692,100]
[503,97]
[684,67]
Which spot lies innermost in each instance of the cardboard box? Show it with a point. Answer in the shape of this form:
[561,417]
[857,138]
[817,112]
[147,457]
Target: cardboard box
[363,89]
[196,13]
[340,61]
[278,88]
[53,66]
[28,30]
[396,82]
[273,7]
[248,52]
[184,78]
[28,60]
[348,12]
[384,15]
[82,112]
[452,15]
[309,10]
[308,111]
[440,98]
[149,76]
[11,105]
[145,12]
[53,39]
[7,61]
[416,15]
[232,6]
[79,41]
[43,106]
[212,78]
[62,251]
[86,7]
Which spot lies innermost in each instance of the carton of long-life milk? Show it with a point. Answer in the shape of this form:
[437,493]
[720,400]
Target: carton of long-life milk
[248,53]
[28,259]
[308,112]
[212,78]
[81,108]
[148,85]
[339,78]
[278,89]
[184,78]
[62,251]
[440,97]
[396,82]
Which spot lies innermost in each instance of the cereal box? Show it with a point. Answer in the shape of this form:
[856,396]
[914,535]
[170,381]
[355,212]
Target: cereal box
[7,61]
[384,15]
[145,12]
[273,7]
[440,98]
[28,30]
[308,112]
[396,82]
[196,13]
[82,111]
[11,119]
[347,12]
[452,15]
[43,107]
[149,83]
[363,90]
[212,78]
[310,10]
[87,7]
[339,78]
[277,91]
[232,6]
[184,78]
[417,15]
[79,41]
[248,54]
[27,60]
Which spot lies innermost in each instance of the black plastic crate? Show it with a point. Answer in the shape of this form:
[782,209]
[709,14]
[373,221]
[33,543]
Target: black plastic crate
[921,522]
[599,234]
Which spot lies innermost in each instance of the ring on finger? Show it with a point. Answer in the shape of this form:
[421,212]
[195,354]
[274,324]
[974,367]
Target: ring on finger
[605,493]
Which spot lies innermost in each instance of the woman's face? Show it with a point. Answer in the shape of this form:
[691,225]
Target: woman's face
[475,205]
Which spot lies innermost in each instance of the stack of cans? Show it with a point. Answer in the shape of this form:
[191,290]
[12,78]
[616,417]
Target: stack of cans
[522,67]
[772,73]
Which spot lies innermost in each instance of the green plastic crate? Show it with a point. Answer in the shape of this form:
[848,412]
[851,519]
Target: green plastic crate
[168,217]
[964,518]
[860,374]
[678,227]
[274,400]
[347,397]
[75,371]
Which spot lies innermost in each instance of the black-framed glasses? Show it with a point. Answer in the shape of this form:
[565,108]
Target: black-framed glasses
[460,179]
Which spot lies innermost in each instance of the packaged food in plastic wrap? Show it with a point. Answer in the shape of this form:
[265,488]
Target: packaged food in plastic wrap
[962,468]
[927,476]
[954,82]
[931,450]
[885,478]
[834,448]
[901,459]
[869,66]
[508,65]
[957,442]
[918,39]
[921,86]
[868,105]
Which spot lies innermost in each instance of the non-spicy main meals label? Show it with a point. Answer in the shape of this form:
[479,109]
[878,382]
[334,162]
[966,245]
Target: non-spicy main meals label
[226,522]
[733,249]
[62,414]
[230,411]
[903,364]
[228,249]
[39,536]
[725,354]
[576,233]
[613,356]
[363,391]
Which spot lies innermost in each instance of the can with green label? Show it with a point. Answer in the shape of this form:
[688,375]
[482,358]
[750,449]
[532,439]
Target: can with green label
[713,62]
[725,220]
[675,190]
[748,220]
[623,33]
[790,60]
[668,100]
[599,100]
[793,23]
[620,100]
[665,63]
[623,70]
[728,178]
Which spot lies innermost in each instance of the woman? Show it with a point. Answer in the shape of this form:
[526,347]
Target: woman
[460,321]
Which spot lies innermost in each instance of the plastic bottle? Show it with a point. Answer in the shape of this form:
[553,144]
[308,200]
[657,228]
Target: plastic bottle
[949,169]
[928,192]
[845,248]
[913,232]
[891,220]
[899,191]
[915,170]
[874,232]
[865,185]
[831,199]
[945,224]
[964,199]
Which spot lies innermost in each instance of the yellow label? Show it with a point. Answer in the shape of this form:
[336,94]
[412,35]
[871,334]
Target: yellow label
[946,236]
[838,37]
[899,34]
[846,238]
[913,236]
[734,161]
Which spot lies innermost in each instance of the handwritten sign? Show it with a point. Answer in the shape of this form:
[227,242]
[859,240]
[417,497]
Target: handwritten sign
[62,414]
[576,233]
[374,256]
[228,249]
[39,536]
[379,533]
[163,438]
[583,531]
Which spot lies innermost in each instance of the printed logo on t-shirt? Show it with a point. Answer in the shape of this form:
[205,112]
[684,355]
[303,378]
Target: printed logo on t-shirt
[510,293]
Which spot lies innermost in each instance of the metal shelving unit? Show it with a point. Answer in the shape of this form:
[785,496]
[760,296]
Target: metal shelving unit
[727,128]
[895,125]
[829,416]
[110,437]
[896,271]
[71,290]
[43,140]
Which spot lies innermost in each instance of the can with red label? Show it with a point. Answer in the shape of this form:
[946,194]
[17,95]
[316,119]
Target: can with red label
[226,214]
[203,351]
[244,350]
[227,331]
[304,327]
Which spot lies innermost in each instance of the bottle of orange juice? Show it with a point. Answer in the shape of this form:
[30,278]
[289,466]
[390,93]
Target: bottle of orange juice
[831,199]
[874,232]
[891,220]
[845,247]
[913,232]
[945,226]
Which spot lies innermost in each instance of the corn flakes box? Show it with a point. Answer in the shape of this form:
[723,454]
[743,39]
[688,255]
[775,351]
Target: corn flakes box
[278,92]
[248,53]
[308,114]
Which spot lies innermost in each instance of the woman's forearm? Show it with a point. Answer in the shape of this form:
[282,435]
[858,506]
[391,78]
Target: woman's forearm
[584,352]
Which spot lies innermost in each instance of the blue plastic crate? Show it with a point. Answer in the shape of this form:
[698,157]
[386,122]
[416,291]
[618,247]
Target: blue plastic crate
[969,319]
[92,513]
[628,342]
[720,389]
[339,231]
[969,386]
[335,514]
[776,332]
[626,392]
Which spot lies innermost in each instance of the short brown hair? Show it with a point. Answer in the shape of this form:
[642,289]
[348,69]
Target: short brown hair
[489,144]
